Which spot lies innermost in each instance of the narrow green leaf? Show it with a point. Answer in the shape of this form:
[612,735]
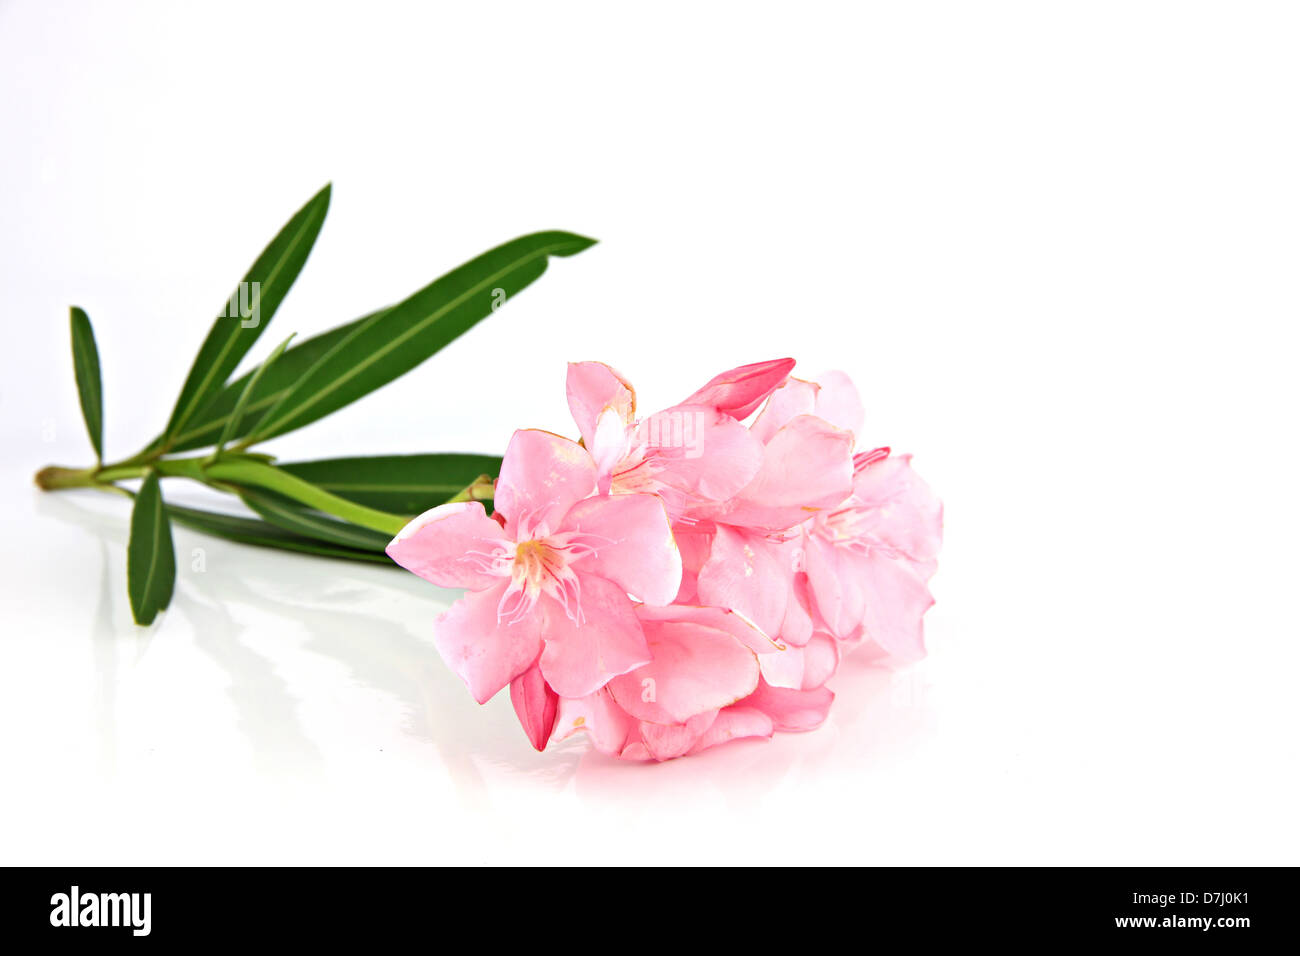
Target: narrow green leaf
[237,413]
[400,484]
[260,534]
[393,342]
[291,516]
[90,388]
[253,304]
[207,426]
[150,558]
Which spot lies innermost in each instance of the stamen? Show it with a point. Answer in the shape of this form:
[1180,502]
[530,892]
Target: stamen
[540,566]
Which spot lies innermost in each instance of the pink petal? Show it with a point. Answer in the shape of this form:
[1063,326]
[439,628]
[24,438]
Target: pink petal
[837,580]
[739,391]
[688,593]
[701,451]
[581,658]
[484,652]
[750,574]
[694,669]
[609,446]
[440,545]
[734,723]
[896,601]
[791,710]
[719,618]
[821,656]
[535,705]
[693,544]
[784,669]
[802,668]
[542,477]
[632,544]
[666,741]
[594,387]
[863,648]
[906,514]
[797,627]
[605,723]
[795,397]
[839,403]
[635,750]
[832,397]
[807,466]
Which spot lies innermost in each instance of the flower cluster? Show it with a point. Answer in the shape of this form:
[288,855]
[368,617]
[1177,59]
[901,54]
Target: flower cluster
[677,581]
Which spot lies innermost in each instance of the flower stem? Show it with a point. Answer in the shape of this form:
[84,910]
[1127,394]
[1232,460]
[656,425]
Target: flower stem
[222,473]
[480,489]
[56,477]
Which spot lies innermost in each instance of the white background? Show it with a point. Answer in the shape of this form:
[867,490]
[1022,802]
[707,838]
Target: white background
[1056,245]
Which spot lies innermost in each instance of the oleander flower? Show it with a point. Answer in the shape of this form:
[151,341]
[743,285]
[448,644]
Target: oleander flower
[691,453]
[548,578]
[675,582]
[867,561]
[752,552]
[703,687]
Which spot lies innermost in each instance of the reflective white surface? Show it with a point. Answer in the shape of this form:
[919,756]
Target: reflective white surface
[289,705]
[1054,245]
[292,709]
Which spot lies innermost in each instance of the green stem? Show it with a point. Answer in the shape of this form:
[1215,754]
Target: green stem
[56,477]
[271,478]
[240,471]
[480,489]
[166,467]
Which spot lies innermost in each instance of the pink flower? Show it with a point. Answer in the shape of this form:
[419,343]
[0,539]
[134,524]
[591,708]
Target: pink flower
[691,453]
[752,561]
[867,560]
[703,687]
[548,584]
[792,548]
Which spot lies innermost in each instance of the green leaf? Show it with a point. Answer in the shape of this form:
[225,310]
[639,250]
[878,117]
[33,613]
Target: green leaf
[150,558]
[237,413]
[400,484]
[90,388]
[291,516]
[262,290]
[260,534]
[394,341]
[207,426]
